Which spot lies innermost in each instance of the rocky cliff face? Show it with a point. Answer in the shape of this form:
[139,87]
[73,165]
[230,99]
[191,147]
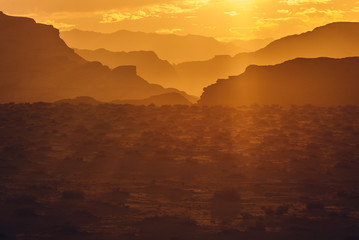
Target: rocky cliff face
[320,81]
[37,65]
[22,37]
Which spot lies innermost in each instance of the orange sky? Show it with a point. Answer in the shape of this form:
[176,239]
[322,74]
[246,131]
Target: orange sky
[223,19]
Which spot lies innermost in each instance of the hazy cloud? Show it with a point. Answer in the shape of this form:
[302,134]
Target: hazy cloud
[58,25]
[231,13]
[223,19]
[51,6]
[156,10]
[167,31]
[299,2]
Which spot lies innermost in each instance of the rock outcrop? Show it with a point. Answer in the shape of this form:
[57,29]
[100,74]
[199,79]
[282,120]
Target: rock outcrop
[320,81]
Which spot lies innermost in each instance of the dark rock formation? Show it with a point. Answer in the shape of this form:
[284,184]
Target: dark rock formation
[320,81]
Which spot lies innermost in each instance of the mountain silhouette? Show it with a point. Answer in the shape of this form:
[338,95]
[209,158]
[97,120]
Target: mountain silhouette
[37,65]
[174,48]
[159,100]
[316,81]
[80,100]
[335,40]
[149,66]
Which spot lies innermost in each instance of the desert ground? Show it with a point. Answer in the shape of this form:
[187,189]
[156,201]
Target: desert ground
[178,172]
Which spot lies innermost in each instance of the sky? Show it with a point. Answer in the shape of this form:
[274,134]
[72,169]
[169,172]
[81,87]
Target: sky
[222,19]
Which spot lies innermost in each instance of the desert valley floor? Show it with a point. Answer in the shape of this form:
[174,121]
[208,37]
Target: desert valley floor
[178,172]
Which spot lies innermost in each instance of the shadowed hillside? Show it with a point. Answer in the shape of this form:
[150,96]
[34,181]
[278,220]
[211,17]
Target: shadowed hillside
[171,47]
[149,66]
[336,40]
[159,100]
[321,81]
[36,65]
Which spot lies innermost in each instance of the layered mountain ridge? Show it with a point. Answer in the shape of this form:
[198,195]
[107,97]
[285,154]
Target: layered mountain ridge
[149,65]
[37,65]
[171,47]
[335,40]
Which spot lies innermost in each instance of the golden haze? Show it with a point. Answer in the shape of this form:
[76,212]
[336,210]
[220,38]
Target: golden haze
[223,19]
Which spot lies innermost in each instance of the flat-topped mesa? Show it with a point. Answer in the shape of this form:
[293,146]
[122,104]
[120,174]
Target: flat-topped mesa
[319,81]
[125,70]
[23,37]
[5,19]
